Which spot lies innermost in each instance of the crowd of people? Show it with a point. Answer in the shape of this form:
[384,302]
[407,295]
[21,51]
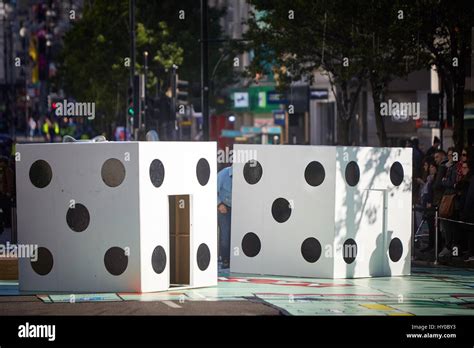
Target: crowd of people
[443,187]
[53,129]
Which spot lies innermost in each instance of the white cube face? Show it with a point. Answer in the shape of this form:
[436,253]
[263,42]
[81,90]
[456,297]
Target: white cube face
[282,224]
[373,211]
[172,169]
[335,225]
[90,209]
[79,204]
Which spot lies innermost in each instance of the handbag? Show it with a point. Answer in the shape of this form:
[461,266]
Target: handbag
[446,207]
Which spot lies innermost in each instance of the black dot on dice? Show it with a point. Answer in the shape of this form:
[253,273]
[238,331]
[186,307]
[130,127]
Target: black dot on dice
[158,259]
[203,171]
[352,173]
[203,257]
[78,217]
[253,172]
[40,173]
[396,173]
[157,172]
[311,249]
[314,173]
[281,210]
[115,261]
[349,251]
[43,263]
[395,250]
[251,244]
[113,172]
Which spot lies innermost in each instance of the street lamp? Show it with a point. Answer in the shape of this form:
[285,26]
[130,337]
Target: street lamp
[23,35]
[5,12]
[204,70]
[145,56]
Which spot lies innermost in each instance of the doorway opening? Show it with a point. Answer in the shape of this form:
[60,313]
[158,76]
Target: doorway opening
[180,230]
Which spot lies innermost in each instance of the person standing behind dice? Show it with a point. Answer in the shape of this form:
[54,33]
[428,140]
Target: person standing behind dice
[7,190]
[466,214]
[438,189]
[448,228]
[224,203]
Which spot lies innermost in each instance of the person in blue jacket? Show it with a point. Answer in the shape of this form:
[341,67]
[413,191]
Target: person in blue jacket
[224,204]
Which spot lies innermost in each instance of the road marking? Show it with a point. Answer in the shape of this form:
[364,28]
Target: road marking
[378,307]
[401,314]
[171,304]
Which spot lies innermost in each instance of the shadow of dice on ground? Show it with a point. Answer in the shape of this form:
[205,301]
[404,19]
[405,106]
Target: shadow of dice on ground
[110,217]
[322,211]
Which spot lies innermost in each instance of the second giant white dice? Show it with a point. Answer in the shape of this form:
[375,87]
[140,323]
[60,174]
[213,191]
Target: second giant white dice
[321,211]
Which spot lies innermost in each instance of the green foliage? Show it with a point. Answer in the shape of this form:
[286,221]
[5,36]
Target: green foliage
[93,60]
[446,35]
[354,42]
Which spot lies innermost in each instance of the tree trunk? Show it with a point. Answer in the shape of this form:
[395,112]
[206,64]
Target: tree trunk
[449,101]
[346,101]
[459,80]
[379,122]
[458,125]
[343,131]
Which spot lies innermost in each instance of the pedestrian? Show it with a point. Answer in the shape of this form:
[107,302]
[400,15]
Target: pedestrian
[462,188]
[459,164]
[224,211]
[47,130]
[447,206]
[167,120]
[467,209]
[417,157]
[31,127]
[427,201]
[53,130]
[417,160]
[436,146]
[7,191]
[438,189]
[418,199]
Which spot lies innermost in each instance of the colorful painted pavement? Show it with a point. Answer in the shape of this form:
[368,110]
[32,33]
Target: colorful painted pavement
[428,291]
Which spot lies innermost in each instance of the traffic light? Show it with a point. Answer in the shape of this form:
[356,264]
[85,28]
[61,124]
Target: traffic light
[182,90]
[179,93]
[130,109]
[133,106]
[54,106]
[53,101]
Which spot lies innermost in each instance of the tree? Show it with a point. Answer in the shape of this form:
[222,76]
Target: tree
[446,35]
[302,36]
[93,63]
[355,43]
[391,48]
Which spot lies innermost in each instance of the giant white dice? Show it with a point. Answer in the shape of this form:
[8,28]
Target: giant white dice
[100,215]
[321,211]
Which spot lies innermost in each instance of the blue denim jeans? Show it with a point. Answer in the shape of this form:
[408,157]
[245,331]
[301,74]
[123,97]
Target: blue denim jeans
[224,238]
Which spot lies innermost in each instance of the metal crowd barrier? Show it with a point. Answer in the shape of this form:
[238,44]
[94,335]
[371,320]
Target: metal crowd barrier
[437,219]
